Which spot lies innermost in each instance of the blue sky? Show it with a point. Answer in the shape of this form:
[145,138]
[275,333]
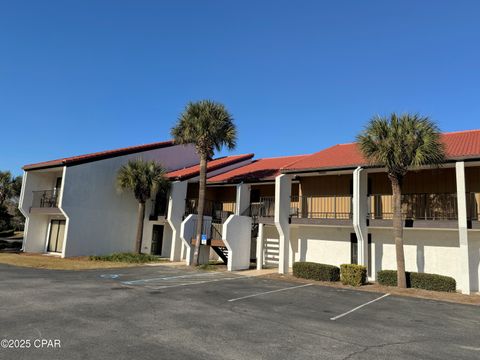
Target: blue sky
[82,76]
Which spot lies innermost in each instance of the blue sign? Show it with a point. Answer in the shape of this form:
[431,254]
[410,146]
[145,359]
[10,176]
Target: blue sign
[204,239]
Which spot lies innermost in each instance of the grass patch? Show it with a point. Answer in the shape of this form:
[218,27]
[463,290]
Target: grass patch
[41,261]
[211,266]
[127,258]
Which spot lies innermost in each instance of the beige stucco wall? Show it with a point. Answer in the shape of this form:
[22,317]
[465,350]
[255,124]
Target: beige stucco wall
[430,251]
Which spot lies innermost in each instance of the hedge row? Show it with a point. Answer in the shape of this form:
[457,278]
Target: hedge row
[353,274]
[315,271]
[419,280]
[356,275]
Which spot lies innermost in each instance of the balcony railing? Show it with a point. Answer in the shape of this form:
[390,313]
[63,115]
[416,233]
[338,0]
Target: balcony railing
[218,210]
[45,198]
[211,228]
[263,208]
[422,207]
[322,207]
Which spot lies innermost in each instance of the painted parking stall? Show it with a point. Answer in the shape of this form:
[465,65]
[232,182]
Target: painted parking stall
[171,279]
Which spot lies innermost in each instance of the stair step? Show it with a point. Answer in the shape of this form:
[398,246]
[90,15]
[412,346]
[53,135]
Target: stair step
[273,252]
[272,245]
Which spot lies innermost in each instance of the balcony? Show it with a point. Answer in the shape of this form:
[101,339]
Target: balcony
[159,207]
[218,210]
[262,211]
[321,210]
[45,201]
[422,210]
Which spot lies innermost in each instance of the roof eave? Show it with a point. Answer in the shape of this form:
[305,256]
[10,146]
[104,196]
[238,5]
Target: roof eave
[87,158]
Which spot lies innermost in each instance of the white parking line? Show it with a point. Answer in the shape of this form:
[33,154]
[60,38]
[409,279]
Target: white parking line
[196,283]
[132,282]
[269,292]
[358,307]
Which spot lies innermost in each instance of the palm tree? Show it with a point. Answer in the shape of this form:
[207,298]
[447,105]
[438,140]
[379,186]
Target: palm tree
[209,126]
[400,143]
[143,178]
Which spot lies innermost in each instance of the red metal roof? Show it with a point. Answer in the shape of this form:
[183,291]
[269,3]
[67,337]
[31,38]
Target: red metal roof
[459,145]
[74,160]
[258,170]
[192,171]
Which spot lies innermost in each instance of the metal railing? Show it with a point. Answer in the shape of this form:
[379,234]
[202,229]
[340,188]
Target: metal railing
[206,227]
[263,208]
[422,207]
[216,209]
[211,228]
[45,198]
[321,207]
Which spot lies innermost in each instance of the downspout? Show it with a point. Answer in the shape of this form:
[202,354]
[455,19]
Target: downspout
[20,207]
[60,207]
[359,216]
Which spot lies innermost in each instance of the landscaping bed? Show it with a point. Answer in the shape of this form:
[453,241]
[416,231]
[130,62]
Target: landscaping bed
[127,258]
[375,287]
[56,263]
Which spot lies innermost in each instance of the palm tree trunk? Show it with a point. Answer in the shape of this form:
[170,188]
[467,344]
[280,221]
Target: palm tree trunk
[398,231]
[201,206]
[141,217]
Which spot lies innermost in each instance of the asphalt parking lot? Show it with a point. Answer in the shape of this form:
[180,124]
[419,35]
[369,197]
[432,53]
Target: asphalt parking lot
[166,313]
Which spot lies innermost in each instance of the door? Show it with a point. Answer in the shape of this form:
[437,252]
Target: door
[157,240]
[56,236]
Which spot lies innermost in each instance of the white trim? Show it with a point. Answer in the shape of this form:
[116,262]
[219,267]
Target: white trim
[462,227]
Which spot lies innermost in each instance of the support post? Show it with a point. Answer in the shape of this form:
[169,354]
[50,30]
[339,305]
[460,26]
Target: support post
[283,190]
[260,253]
[464,260]
[242,198]
[359,214]
[176,210]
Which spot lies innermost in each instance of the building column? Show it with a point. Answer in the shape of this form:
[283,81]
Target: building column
[360,208]
[260,252]
[176,210]
[242,198]
[283,190]
[465,285]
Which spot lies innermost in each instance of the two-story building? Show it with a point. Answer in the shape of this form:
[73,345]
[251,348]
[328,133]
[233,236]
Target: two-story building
[72,205]
[331,207]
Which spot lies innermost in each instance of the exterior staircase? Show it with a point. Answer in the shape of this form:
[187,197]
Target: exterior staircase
[222,252]
[271,252]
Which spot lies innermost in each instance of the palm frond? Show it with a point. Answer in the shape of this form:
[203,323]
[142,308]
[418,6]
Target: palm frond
[206,124]
[401,142]
[142,178]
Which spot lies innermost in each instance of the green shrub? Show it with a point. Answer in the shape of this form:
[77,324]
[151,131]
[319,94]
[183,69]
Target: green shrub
[315,271]
[353,274]
[127,257]
[387,277]
[419,280]
[433,282]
